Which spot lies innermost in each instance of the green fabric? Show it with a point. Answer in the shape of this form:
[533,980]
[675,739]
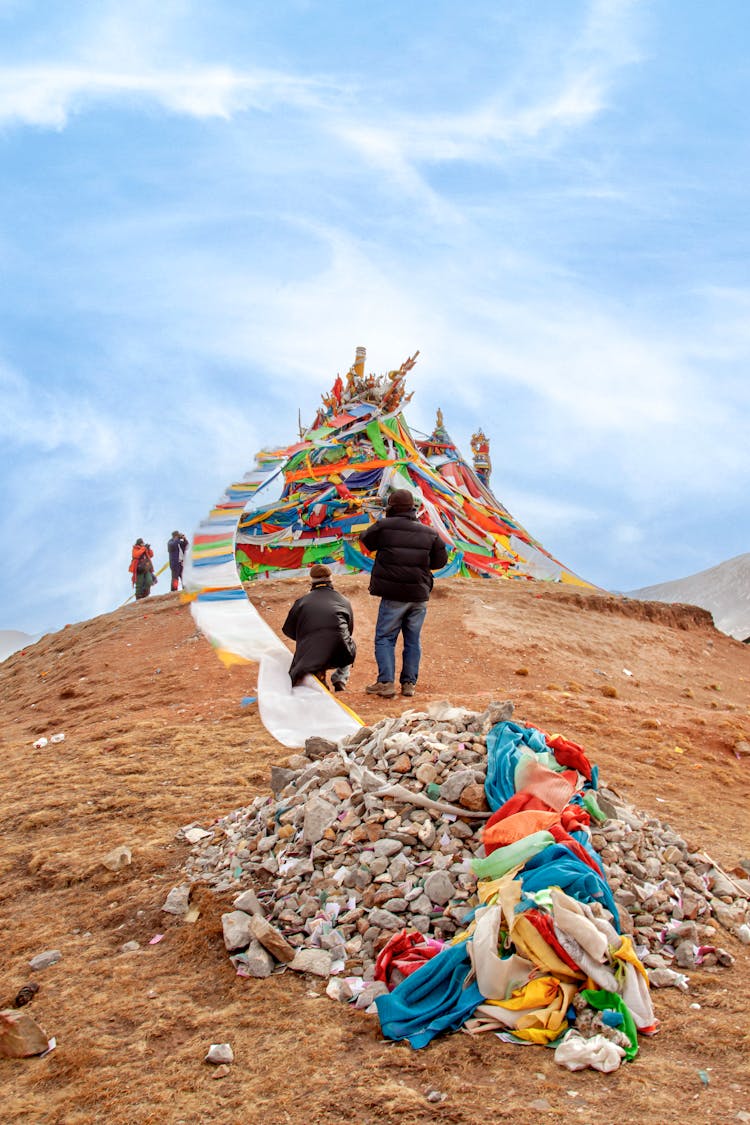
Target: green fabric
[548,759]
[373,432]
[298,459]
[332,455]
[322,551]
[503,860]
[601,999]
[319,435]
[199,548]
[592,805]
[473,548]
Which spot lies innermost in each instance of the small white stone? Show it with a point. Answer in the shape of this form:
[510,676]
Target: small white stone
[219,1053]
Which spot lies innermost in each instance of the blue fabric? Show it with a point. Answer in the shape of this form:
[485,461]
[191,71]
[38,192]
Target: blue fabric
[430,1000]
[214,560]
[505,743]
[235,593]
[367,478]
[434,481]
[358,409]
[355,558]
[582,837]
[453,566]
[394,618]
[557,866]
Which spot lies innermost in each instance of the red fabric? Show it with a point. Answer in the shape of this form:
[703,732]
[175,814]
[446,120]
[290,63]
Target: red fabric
[316,515]
[569,753]
[286,557]
[470,485]
[562,837]
[519,802]
[517,827]
[555,789]
[573,818]
[486,562]
[406,951]
[340,420]
[543,923]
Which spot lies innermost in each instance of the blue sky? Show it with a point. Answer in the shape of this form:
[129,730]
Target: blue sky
[205,207]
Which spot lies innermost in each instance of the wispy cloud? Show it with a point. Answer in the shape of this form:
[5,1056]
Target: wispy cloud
[50,95]
[48,423]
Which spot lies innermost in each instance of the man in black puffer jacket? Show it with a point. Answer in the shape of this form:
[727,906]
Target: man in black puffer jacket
[407,552]
[321,623]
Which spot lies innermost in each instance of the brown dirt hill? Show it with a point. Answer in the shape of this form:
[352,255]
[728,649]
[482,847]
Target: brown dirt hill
[155,738]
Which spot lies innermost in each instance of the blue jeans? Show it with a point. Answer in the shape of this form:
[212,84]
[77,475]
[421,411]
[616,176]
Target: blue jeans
[395,618]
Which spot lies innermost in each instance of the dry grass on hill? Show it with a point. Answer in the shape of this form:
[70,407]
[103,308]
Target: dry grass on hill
[155,738]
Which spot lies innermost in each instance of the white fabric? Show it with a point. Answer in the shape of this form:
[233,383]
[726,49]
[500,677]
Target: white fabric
[222,575]
[637,998]
[598,1052]
[496,977]
[291,715]
[577,920]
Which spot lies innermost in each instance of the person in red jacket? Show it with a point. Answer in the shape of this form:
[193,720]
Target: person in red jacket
[142,569]
[406,553]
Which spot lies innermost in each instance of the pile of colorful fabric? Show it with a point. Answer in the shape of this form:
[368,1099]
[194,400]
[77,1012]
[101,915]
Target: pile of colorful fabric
[541,959]
[336,479]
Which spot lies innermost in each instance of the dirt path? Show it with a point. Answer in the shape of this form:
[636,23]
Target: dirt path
[155,738]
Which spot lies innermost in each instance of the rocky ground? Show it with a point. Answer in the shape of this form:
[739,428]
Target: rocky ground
[156,738]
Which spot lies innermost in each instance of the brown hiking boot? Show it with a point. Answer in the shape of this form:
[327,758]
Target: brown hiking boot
[386,690]
[408,689]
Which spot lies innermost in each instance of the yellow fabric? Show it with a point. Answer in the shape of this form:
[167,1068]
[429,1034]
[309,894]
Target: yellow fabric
[627,953]
[530,943]
[349,711]
[538,993]
[542,1005]
[540,1035]
[489,889]
[573,580]
[229,658]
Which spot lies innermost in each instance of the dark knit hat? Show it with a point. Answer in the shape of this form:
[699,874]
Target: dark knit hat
[320,573]
[400,502]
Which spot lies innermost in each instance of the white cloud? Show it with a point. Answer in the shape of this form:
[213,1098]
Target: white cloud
[48,422]
[49,95]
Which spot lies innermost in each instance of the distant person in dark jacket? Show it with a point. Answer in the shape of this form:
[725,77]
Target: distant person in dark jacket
[406,553]
[321,623]
[177,546]
[142,569]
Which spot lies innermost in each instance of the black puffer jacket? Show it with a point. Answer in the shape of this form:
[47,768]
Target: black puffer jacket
[321,623]
[407,551]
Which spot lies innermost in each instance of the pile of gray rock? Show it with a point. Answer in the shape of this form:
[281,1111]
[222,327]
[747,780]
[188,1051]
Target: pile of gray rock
[377,834]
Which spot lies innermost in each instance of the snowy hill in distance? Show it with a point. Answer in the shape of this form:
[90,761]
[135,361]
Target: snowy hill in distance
[12,639]
[723,590]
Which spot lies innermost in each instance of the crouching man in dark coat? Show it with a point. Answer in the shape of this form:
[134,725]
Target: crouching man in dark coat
[321,623]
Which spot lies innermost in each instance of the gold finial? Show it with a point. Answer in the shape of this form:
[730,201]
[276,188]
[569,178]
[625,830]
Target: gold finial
[359,361]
